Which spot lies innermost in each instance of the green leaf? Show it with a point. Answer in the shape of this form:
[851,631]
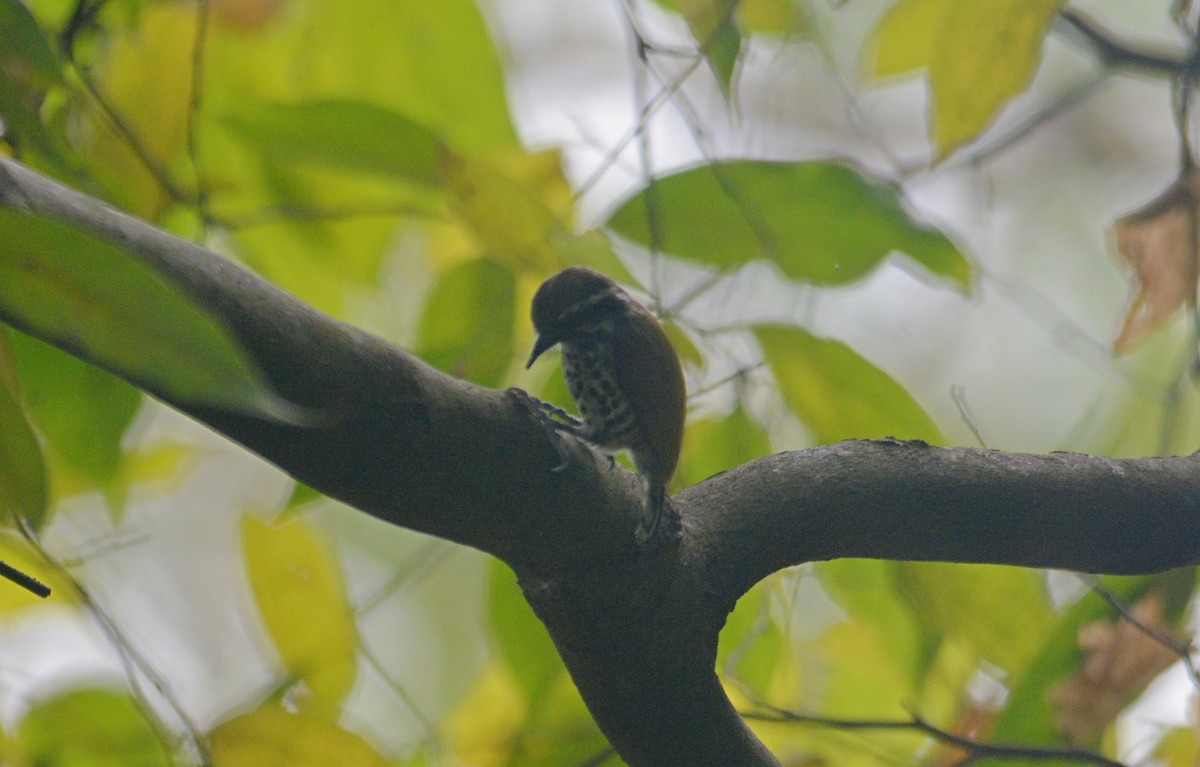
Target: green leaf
[467,327]
[100,303]
[343,135]
[26,56]
[713,446]
[523,641]
[81,410]
[751,645]
[22,471]
[1002,611]
[715,31]
[28,68]
[440,65]
[896,648]
[819,222]
[91,728]
[591,248]
[436,63]
[838,394]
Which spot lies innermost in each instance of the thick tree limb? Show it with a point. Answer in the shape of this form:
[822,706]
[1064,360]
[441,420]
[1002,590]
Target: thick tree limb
[637,628]
[888,499]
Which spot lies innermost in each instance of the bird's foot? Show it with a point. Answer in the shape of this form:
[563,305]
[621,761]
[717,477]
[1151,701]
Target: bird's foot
[546,414]
[664,518]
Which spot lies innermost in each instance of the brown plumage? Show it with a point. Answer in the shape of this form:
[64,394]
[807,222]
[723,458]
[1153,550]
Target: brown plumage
[622,372]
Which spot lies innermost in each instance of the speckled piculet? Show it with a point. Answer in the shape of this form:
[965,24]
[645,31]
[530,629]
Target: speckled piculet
[622,372]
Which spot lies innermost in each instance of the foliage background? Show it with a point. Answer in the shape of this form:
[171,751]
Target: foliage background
[416,169]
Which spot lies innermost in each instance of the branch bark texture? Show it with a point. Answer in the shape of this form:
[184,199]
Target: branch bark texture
[637,628]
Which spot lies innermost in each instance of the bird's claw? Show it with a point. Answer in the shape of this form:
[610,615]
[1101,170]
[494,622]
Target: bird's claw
[545,414]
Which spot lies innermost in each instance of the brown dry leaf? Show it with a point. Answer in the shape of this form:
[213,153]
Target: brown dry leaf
[1160,243]
[1119,661]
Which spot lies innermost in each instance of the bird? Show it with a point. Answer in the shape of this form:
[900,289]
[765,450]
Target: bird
[623,374]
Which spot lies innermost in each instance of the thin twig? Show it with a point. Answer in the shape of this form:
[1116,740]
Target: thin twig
[737,375]
[1076,94]
[287,212]
[974,748]
[1115,53]
[1182,649]
[131,659]
[428,556]
[373,660]
[599,758]
[959,395]
[194,108]
[82,14]
[27,582]
[691,118]
[659,100]
[645,151]
[134,142]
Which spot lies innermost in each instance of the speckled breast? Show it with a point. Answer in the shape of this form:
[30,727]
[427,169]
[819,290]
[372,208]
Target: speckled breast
[590,375]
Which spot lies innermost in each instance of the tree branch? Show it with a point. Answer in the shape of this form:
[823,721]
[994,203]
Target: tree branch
[420,449]
[888,499]
[636,627]
[973,748]
[1116,53]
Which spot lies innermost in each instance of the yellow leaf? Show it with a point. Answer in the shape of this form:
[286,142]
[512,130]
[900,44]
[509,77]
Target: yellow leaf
[979,55]
[162,462]
[483,729]
[507,210]
[987,53]
[152,100]
[1177,748]
[272,736]
[298,586]
[906,36]
[774,17]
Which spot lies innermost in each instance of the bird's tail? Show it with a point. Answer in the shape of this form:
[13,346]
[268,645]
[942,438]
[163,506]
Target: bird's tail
[652,511]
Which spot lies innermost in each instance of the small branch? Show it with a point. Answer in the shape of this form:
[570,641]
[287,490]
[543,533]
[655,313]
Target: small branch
[288,212]
[959,396]
[1182,649]
[195,105]
[1115,53]
[132,660]
[598,758]
[974,748]
[125,131]
[27,582]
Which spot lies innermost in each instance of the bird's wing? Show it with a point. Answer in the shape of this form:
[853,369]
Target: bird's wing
[649,375]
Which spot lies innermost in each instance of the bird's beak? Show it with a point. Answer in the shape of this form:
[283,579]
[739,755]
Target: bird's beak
[543,343]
